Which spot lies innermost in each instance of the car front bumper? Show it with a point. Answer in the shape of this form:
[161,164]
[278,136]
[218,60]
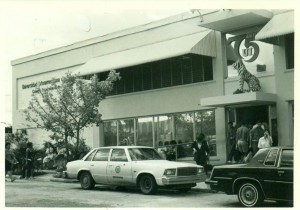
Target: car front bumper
[211,185]
[171,180]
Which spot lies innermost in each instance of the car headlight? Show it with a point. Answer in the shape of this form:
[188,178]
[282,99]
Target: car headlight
[170,172]
[200,170]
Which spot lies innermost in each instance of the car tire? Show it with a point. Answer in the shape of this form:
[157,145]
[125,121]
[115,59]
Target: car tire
[250,195]
[147,184]
[86,181]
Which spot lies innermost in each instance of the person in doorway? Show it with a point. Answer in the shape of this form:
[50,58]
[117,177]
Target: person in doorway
[231,133]
[255,134]
[10,160]
[242,137]
[201,151]
[265,141]
[29,161]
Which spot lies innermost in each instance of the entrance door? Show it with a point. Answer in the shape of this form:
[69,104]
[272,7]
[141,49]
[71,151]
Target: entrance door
[252,114]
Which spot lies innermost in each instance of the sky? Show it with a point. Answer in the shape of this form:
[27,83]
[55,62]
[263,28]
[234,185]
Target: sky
[30,27]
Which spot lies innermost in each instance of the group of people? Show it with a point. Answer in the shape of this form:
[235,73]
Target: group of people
[244,142]
[10,161]
[171,150]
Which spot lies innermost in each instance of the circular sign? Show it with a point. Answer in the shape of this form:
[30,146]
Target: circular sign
[118,169]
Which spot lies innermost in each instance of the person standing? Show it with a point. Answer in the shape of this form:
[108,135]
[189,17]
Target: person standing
[266,141]
[29,161]
[10,160]
[231,143]
[201,151]
[255,134]
[242,137]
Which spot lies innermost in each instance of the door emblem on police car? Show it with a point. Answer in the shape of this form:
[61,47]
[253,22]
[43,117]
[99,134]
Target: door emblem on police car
[118,169]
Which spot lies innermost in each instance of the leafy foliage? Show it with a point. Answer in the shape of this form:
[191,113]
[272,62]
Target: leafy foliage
[67,108]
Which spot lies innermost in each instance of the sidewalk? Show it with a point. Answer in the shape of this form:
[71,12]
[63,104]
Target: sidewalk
[48,177]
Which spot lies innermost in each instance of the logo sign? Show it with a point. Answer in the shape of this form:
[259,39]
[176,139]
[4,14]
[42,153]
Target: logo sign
[118,169]
[245,47]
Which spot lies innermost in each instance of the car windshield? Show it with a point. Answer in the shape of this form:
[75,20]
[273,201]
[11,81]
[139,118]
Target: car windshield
[137,154]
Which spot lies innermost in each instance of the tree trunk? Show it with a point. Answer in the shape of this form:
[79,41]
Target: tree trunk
[66,144]
[77,143]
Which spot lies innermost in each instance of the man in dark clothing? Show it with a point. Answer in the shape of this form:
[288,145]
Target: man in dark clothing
[201,151]
[255,134]
[231,143]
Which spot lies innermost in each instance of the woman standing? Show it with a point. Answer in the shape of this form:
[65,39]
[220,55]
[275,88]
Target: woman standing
[29,161]
[265,141]
[201,151]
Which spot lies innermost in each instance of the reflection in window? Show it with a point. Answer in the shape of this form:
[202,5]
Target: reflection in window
[110,133]
[118,155]
[271,158]
[144,132]
[162,129]
[126,131]
[205,123]
[257,56]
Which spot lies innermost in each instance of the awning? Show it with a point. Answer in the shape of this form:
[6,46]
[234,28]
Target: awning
[231,20]
[202,43]
[237,100]
[280,24]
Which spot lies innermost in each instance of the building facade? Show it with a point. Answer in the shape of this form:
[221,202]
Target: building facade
[177,79]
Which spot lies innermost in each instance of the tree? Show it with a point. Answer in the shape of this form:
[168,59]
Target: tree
[70,106]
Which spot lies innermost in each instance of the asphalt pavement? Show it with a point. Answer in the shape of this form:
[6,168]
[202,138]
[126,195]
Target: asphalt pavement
[49,176]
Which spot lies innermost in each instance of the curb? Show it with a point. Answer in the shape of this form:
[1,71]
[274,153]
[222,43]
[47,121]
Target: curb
[64,180]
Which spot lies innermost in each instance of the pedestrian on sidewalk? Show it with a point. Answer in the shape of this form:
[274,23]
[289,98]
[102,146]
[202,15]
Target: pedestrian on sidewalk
[201,151]
[29,161]
[10,160]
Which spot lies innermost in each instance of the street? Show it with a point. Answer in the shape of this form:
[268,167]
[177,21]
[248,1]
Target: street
[33,193]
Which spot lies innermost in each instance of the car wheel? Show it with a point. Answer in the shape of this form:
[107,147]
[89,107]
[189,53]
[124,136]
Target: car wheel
[147,184]
[250,195]
[86,180]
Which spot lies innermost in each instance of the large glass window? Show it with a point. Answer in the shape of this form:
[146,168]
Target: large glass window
[126,131]
[102,155]
[110,133]
[205,123]
[163,129]
[144,132]
[257,56]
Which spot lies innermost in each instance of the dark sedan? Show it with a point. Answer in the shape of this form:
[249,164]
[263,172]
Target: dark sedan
[268,176]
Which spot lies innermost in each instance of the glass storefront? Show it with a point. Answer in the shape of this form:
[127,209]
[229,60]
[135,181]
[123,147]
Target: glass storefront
[180,129]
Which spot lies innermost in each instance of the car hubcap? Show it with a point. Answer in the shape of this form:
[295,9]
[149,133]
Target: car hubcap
[147,183]
[249,195]
[85,180]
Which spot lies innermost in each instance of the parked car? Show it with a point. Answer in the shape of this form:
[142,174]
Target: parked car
[136,166]
[268,176]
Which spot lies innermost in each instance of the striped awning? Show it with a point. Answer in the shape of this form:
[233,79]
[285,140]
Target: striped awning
[280,24]
[202,43]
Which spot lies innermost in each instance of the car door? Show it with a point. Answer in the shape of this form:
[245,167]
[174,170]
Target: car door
[278,178]
[119,168]
[284,175]
[98,165]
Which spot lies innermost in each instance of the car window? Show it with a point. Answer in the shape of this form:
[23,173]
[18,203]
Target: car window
[90,156]
[137,154]
[271,157]
[118,155]
[101,155]
[287,158]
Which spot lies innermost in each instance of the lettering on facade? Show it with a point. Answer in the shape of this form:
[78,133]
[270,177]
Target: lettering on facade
[249,51]
[34,84]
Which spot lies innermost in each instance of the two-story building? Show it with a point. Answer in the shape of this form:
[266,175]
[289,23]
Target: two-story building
[177,79]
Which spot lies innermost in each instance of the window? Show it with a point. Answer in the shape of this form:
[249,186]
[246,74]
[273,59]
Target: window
[118,155]
[110,133]
[144,132]
[176,72]
[205,123]
[90,157]
[287,158]
[289,51]
[163,129]
[101,155]
[271,158]
[126,131]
